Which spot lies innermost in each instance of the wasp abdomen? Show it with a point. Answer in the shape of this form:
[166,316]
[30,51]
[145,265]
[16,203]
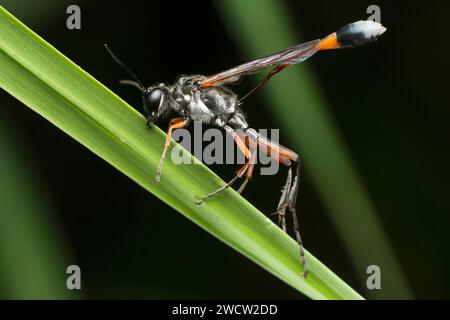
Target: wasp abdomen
[359,33]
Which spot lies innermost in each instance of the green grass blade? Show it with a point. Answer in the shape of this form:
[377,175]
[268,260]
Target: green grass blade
[60,91]
[296,102]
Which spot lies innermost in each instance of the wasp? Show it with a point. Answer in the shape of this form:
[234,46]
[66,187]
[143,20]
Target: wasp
[209,99]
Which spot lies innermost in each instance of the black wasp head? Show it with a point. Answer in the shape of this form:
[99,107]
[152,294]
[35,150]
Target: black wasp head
[154,99]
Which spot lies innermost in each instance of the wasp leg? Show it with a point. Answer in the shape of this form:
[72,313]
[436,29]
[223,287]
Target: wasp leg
[241,144]
[175,123]
[292,200]
[239,174]
[282,204]
[288,200]
[251,141]
[249,173]
[248,177]
[290,190]
[263,81]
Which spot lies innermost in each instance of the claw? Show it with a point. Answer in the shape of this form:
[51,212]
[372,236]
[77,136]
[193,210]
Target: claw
[305,274]
[280,213]
[198,202]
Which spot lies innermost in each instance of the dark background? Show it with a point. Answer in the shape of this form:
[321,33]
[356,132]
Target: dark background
[121,235]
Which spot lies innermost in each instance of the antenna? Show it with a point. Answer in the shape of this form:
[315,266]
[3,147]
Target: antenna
[137,83]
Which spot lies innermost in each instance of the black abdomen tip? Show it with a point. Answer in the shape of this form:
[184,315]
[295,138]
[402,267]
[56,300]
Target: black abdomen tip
[359,33]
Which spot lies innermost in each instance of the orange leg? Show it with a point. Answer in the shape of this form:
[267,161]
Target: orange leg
[248,174]
[247,166]
[272,72]
[175,123]
[290,190]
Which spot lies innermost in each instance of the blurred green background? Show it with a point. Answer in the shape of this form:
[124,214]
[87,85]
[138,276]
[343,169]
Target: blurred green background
[370,125]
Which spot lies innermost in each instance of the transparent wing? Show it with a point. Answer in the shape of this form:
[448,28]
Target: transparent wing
[289,56]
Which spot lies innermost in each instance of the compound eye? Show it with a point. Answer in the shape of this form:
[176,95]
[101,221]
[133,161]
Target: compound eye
[154,99]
